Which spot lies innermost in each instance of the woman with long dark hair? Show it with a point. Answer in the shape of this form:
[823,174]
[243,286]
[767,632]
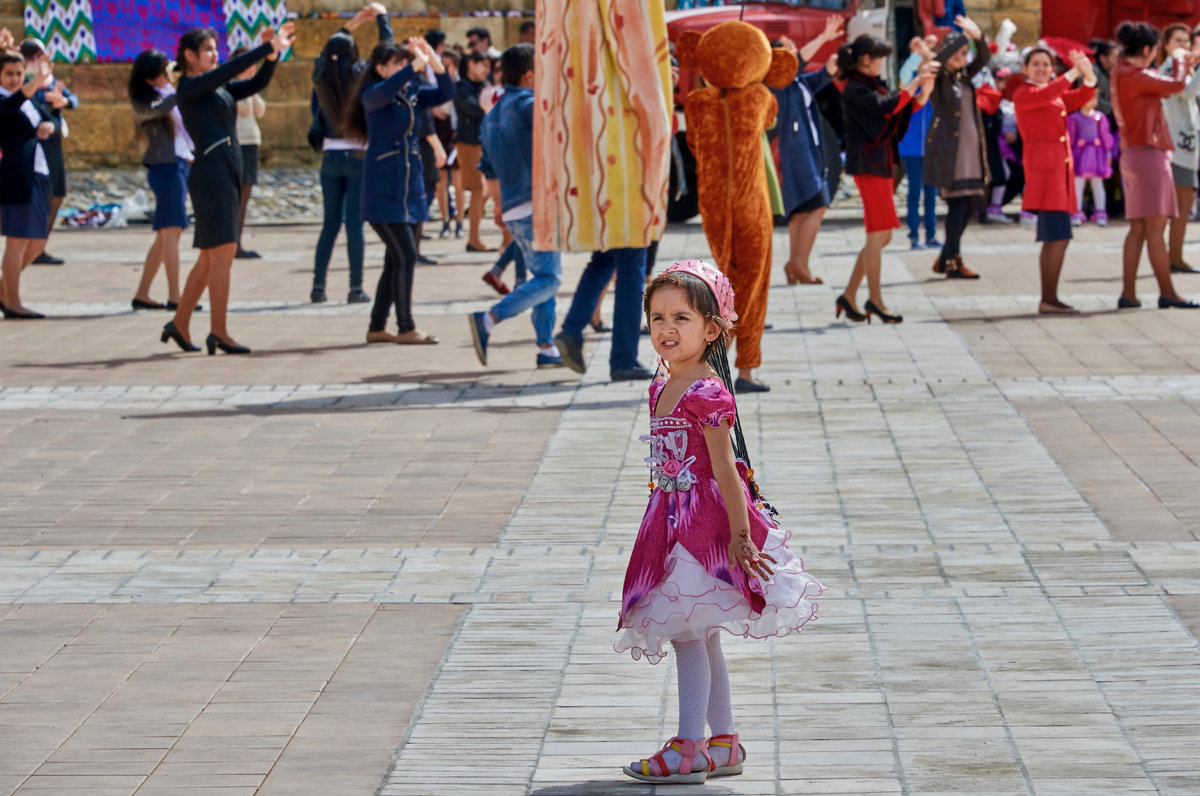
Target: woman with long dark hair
[955,150]
[167,159]
[334,76]
[1137,93]
[876,118]
[385,116]
[208,104]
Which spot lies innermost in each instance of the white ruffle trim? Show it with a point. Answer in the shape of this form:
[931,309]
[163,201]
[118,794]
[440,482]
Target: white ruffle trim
[689,603]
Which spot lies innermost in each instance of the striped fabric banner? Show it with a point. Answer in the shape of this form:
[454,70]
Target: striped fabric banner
[245,21]
[602,127]
[64,26]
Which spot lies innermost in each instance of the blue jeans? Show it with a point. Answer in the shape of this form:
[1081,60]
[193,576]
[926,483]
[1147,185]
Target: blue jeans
[538,292]
[511,254]
[912,168]
[341,189]
[630,267]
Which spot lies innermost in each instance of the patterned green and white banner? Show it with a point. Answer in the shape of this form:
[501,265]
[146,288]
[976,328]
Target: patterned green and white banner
[245,21]
[65,26]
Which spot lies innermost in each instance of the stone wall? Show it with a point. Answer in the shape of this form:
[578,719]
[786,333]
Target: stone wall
[102,132]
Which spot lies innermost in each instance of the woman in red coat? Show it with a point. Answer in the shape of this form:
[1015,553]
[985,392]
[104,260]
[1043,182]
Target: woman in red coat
[1042,105]
[1146,179]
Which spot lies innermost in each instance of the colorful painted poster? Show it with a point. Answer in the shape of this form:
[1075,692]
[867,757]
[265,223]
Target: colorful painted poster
[246,20]
[65,26]
[126,27]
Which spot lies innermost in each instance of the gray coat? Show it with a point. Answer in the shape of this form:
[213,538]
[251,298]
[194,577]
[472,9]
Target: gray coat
[941,142]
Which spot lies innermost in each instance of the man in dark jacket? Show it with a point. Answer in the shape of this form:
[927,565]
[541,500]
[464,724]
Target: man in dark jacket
[476,67]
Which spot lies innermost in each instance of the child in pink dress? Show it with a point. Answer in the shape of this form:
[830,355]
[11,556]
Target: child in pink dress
[1092,148]
[709,555]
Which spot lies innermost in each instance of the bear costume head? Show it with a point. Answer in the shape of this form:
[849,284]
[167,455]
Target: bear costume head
[734,55]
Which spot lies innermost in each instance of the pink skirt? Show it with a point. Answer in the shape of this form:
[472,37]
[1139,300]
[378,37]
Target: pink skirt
[1148,183]
[688,603]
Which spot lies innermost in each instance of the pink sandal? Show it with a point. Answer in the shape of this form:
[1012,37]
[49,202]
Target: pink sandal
[737,756]
[655,769]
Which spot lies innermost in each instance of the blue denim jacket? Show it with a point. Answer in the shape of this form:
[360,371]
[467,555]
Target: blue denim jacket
[507,137]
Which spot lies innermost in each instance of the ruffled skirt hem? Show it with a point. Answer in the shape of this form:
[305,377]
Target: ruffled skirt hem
[689,604]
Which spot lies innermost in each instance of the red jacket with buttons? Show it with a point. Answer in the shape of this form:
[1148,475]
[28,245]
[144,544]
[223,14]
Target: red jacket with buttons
[1137,96]
[1042,122]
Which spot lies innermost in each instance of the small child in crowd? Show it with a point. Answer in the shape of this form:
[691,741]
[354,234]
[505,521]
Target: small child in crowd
[709,556]
[1092,146]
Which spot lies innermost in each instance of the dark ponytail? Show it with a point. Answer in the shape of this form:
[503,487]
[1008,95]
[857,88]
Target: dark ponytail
[192,40]
[1136,36]
[149,65]
[849,54]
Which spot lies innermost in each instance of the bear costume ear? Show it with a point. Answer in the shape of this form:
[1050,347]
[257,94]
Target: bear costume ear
[685,49]
[783,68]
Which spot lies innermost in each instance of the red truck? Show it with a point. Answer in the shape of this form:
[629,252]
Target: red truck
[1083,20]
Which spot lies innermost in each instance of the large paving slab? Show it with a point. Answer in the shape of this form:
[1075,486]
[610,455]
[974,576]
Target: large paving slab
[328,568]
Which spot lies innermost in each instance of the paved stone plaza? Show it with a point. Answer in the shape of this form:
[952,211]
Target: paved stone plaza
[336,569]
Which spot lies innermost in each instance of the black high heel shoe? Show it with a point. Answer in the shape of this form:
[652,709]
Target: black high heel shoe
[213,342]
[883,316]
[169,332]
[844,305]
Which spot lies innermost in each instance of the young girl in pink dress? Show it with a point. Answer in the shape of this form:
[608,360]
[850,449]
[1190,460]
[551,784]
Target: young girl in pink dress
[709,555]
[1092,148]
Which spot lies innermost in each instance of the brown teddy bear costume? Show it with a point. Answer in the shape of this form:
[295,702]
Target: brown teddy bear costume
[725,124]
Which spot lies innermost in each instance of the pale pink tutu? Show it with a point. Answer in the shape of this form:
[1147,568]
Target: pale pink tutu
[689,603]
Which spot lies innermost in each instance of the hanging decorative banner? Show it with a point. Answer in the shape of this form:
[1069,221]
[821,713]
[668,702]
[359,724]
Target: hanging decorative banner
[64,26]
[124,28]
[246,20]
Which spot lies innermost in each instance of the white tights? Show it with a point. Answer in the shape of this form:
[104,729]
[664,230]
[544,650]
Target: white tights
[703,694]
[1099,200]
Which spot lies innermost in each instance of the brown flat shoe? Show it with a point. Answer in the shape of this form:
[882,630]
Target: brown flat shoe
[381,337]
[415,338]
[1046,308]
[796,276]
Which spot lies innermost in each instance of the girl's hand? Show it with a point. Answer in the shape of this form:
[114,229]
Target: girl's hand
[6,39]
[833,28]
[968,26]
[928,70]
[280,41]
[435,61]
[45,130]
[55,98]
[420,58]
[745,555]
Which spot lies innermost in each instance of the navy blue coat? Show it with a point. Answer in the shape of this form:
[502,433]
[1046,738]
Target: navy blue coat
[18,143]
[392,177]
[801,159]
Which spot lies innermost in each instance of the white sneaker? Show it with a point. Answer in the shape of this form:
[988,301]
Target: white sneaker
[998,218]
[1028,219]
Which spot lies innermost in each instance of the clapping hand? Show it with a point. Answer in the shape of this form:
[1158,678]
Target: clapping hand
[1082,65]
[420,53]
[745,555]
[928,70]
[6,39]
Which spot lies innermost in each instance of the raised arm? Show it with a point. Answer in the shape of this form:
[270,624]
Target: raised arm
[381,93]
[156,109]
[832,32]
[194,87]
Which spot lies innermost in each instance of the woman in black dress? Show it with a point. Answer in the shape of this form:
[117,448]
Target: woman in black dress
[207,100]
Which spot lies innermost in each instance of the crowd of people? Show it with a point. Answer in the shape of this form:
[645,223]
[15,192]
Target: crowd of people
[978,123]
